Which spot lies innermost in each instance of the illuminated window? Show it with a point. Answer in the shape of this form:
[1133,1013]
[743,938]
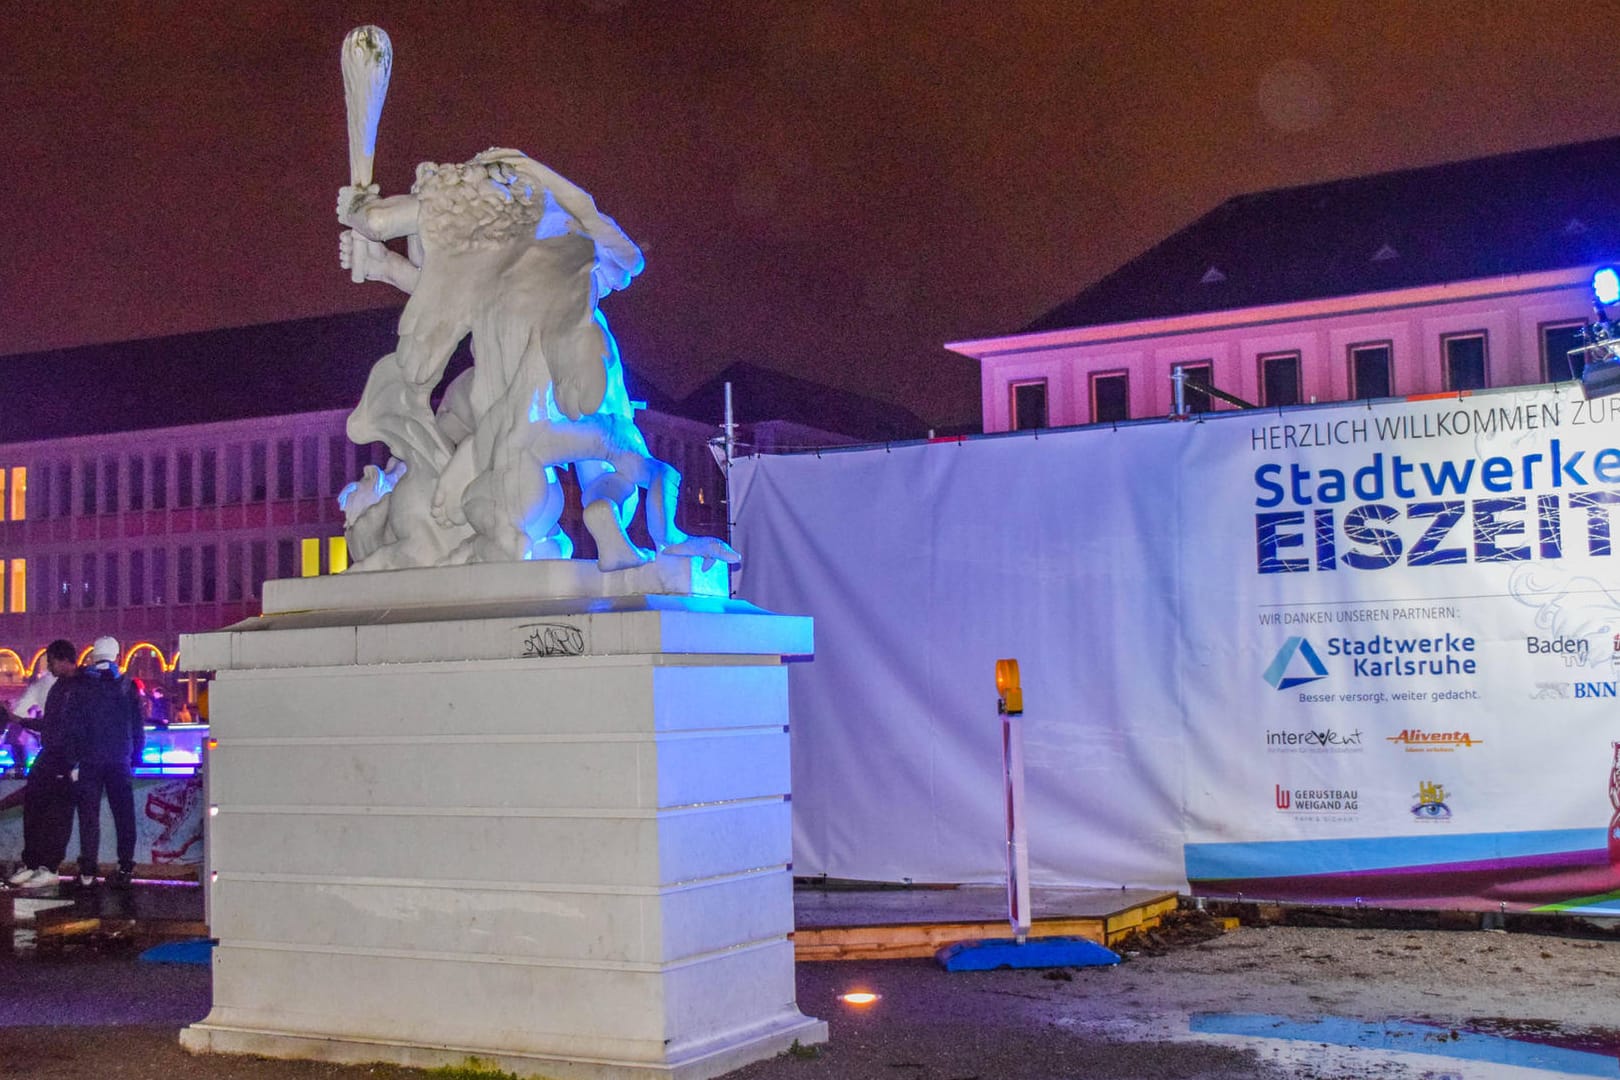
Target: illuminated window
[19,493]
[311,557]
[1465,361]
[1369,370]
[1279,379]
[1028,405]
[18,583]
[337,554]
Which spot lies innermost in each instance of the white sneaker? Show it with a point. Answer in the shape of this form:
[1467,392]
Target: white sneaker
[87,880]
[23,874]
[40,878]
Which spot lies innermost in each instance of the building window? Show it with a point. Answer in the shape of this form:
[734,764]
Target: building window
[1110,396]
[184,575]
[1028,405]
[284,468]
[337,464]
[109,485]
[109,583]
[337,554]
[160,575]
[137,578]
[210,573]
[64,489]
[17,584]
[14,498]
[1279,379]
[1465,361]
[42,493]
[160,481]
[233,474]
[87,486]
[87,581]
[208,477]
[137,483]
[1197,397]
[258,556]
[310,561]
[258,485]
[309,469]
[1370,370]
[286,558]
[1557,339]
[233,570]
[64,582]
[185,487]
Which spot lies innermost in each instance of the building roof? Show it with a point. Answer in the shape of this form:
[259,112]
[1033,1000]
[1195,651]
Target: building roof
[1525,212]
[760,394]
[311,365]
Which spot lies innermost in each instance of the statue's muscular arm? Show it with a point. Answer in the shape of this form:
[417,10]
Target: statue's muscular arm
[378,219]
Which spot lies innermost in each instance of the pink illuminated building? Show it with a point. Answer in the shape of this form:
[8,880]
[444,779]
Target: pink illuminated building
[1429,281]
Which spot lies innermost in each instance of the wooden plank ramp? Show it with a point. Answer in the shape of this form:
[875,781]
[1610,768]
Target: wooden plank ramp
[886,923]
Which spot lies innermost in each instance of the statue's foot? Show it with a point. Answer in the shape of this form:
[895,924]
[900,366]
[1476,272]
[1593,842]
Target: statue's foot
[624,556]
[711,549]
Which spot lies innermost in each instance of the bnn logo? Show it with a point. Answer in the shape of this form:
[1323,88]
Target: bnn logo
[1596,689]
[1296,654]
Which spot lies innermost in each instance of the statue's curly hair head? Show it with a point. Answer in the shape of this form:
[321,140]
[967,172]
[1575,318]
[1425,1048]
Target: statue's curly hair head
[485,202]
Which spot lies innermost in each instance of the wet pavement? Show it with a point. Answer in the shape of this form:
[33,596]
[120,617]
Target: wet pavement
[1256,1003]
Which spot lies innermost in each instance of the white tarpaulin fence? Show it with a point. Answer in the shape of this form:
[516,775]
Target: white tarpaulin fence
[1343,652]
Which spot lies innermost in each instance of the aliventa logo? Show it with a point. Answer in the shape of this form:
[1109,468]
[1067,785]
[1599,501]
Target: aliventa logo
[1295,664]
[1414,739]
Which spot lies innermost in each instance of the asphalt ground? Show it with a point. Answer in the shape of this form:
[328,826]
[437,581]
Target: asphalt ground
[93,1012]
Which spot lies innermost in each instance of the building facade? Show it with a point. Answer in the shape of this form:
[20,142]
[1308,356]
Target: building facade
[147,513]
[1438,280]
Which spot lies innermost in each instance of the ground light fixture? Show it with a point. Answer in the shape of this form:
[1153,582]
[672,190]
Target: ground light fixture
[859,998]
[1600,341]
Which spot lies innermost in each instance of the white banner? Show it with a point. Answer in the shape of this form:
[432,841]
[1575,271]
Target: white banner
[1335,653]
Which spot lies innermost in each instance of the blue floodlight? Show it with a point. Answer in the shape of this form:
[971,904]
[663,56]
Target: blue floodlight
[1606,285]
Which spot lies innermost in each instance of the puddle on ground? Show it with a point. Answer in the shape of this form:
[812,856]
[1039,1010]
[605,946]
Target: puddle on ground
[1486,1048]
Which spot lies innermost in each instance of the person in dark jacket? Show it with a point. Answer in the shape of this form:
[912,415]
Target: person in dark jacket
[105,737]
[48,800]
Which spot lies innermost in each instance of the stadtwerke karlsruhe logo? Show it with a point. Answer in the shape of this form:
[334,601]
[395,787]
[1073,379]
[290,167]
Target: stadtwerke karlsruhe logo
[1295,664]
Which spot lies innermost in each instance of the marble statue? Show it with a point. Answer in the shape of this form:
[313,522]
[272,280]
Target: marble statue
[508,251]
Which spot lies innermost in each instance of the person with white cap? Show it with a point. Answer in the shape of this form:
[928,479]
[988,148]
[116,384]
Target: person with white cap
[48,801]
[105,737]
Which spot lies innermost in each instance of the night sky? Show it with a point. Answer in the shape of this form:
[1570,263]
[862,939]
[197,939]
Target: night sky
[831,189]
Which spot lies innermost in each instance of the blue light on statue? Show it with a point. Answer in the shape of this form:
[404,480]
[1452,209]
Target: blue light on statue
[1606,285]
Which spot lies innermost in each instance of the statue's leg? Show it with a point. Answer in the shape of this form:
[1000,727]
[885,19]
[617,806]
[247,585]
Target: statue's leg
[602,497]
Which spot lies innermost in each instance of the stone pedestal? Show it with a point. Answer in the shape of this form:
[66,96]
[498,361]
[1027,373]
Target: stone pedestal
[457,816]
